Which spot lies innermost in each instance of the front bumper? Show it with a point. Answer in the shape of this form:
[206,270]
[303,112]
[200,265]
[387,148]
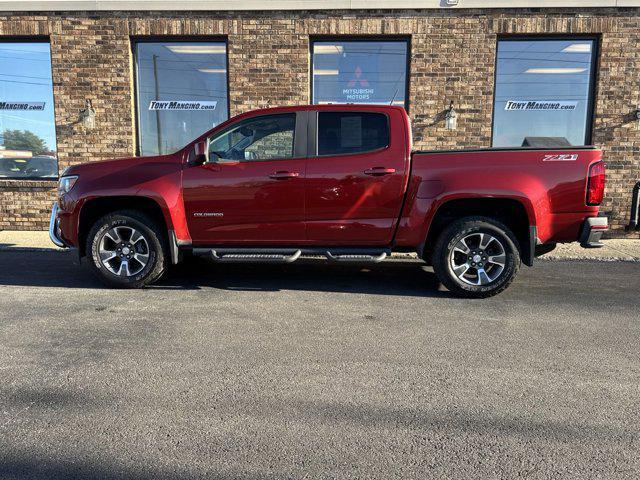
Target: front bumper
[592,231]
[54,228]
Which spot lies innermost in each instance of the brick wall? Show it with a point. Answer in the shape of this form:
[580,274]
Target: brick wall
[452,58]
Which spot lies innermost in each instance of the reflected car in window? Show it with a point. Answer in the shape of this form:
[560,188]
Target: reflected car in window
[34,167]
[27,117]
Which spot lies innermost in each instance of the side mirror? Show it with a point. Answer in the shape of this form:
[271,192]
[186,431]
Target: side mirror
[200,154]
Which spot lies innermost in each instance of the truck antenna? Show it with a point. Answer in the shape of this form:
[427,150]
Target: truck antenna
[394,97]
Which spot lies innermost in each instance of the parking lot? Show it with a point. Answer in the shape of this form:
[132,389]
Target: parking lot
[317,371]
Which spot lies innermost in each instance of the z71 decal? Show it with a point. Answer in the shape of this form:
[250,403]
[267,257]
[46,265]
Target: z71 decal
[561,158]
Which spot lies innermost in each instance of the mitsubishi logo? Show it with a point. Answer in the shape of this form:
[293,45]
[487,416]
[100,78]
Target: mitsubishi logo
[357,79]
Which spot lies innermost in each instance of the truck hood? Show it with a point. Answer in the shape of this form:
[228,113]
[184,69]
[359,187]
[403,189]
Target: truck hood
[119,164]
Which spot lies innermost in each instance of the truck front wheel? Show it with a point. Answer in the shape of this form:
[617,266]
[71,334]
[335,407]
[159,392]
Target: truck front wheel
[476,257]
[126,249]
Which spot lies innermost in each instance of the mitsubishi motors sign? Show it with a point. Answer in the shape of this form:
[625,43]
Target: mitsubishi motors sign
[368,72]
[538,105]
[358,88]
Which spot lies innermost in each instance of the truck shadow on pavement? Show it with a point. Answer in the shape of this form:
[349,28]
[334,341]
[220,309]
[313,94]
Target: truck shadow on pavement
[453,425]
[393,277]
[28,467]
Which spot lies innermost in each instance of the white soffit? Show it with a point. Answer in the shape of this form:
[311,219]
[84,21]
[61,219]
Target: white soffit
[267,5]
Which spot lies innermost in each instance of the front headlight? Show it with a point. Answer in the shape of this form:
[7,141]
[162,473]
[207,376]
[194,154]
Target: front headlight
[66,183]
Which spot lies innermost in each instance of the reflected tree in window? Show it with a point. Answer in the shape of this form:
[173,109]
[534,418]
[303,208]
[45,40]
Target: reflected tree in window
[27,118]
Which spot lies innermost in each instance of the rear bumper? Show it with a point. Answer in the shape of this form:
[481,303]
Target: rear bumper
[592,231]
[54,228]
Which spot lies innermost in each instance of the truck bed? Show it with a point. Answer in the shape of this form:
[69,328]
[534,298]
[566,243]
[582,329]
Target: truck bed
[551,184]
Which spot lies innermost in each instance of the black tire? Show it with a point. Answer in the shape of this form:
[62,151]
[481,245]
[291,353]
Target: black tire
[154,241]
[470,228]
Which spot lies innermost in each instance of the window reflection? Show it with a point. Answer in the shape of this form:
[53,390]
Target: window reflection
[27,119]
[543,91]
[364,72]
[181,92]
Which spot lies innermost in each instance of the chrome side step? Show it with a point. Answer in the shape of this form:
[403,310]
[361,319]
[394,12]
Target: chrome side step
[290,255]
[356,258]
[249,256]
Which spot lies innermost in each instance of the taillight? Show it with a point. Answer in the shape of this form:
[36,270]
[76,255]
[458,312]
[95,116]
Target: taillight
[595,185]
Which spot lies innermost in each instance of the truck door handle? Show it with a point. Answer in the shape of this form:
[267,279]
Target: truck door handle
[378,171]
[283,175]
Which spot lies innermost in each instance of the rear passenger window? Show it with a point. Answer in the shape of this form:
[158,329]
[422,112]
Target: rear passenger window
[343,133]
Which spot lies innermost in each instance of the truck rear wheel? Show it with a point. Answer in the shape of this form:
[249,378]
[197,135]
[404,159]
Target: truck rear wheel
[476,257]
[126,249]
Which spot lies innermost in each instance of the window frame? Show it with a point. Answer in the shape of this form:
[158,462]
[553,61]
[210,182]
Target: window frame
[134,40]
[363,39]
[38,39]
[314,139]
[593,78]
[296,125]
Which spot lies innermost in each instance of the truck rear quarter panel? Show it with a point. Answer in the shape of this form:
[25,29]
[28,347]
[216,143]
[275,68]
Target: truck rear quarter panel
[550,184]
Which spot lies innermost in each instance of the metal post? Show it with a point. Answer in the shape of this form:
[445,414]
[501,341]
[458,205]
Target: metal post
[157,87]
[635,208]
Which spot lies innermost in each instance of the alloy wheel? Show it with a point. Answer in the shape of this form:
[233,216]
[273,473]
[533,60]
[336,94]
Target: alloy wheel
[478,259]
[124,251]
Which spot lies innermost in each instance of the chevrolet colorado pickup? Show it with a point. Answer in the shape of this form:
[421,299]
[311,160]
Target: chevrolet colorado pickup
[336,181]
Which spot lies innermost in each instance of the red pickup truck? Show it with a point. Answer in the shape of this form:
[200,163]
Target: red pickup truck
[337,181]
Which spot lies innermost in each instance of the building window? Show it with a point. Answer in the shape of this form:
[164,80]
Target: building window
[347,133]
[362,71]
[181,92]
[544,92]
[27,119]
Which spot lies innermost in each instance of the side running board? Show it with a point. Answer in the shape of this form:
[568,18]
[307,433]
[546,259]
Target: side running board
[255,256]
[289,255]
[356,258]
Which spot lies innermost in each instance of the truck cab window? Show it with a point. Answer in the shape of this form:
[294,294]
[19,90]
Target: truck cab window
[263,138]
[345,133]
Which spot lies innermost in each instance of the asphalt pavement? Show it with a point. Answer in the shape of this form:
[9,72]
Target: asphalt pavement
[312,370]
